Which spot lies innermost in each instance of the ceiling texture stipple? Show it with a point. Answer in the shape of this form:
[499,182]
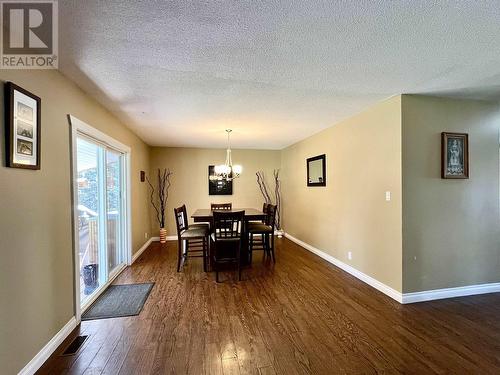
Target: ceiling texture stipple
[180,72]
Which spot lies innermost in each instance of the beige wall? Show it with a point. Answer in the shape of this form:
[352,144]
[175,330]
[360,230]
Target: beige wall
[190,178]
[451,227]
[363,157]
[36,266]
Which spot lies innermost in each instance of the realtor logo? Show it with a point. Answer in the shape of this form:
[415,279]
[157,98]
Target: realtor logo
[29,35]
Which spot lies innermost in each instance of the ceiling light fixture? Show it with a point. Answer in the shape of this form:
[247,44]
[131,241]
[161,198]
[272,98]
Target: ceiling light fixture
[227,171]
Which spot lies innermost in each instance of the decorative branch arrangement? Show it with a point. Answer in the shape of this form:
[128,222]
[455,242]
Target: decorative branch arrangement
[277,197]
[261,181]
[159,201]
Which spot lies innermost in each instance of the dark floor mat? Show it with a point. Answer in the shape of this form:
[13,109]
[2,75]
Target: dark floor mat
[118,301]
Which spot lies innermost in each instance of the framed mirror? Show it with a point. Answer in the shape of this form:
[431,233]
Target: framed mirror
[316,171]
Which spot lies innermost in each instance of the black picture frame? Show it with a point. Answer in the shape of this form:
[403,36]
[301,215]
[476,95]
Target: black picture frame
[456,146]
[22,127]
[322,181]
[218,187]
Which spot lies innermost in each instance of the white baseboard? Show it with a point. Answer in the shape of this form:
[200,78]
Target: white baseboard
[426,295]
[169,238]
[142,249]
[462,291]
[394,294]
[48,349]
[146,245]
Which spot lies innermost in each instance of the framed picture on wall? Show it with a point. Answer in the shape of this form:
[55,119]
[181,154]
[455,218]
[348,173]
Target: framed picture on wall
[454,155]
[22,127]
[218,187]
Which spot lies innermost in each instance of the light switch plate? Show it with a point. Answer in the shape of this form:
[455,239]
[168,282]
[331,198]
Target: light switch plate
[387,196]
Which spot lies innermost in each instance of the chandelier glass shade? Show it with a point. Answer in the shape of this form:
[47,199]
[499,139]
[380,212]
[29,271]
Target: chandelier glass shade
[227,171]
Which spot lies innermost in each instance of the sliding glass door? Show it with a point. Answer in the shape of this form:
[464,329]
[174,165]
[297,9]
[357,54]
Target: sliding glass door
[100,183]
[114,165]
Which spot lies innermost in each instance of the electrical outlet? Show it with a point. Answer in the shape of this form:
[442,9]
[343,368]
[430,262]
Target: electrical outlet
[387,196]
[349,255]
[146,235]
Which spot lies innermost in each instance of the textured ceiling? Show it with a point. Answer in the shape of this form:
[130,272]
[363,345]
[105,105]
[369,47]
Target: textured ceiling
[179,73]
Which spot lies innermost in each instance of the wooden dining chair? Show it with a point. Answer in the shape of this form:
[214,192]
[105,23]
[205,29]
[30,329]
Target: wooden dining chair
[221,206]
[227,240]
[191,239]
[265,231]
[263,221]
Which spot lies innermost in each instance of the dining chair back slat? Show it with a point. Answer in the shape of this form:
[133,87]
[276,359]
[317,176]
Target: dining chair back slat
[221,206]
[228,225]
[227,236]
[264,209]
[181,220]
[270,212]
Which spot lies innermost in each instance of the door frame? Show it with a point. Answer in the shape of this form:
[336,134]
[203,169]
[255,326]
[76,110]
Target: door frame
[80,128]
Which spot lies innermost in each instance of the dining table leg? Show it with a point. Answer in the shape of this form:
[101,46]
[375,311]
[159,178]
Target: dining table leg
[245,253]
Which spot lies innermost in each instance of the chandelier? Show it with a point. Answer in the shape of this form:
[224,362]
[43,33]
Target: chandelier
[227,171]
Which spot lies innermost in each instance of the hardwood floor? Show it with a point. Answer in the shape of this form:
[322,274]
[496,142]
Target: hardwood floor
[301,316]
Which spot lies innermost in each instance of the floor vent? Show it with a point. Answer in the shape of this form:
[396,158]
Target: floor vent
[75,345]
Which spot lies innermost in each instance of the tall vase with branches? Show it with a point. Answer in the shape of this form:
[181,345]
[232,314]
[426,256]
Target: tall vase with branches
[266,194]
[159,197]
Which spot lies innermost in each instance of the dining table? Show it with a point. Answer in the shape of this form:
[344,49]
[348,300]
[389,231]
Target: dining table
[205,215]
